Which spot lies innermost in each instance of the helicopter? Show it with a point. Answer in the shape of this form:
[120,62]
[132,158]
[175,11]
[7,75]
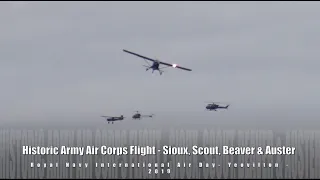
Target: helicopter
[138,115]
[112,119]
[213,106]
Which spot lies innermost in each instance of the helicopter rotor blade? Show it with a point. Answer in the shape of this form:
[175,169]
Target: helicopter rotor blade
[216,102]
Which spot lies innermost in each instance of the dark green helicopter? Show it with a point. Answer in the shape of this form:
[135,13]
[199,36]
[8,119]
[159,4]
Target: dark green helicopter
[213,106]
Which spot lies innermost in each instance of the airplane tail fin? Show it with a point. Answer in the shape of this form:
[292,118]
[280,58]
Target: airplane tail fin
[227,106]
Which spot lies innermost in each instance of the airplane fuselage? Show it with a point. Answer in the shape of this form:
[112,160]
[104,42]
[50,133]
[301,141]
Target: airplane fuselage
[155,66]
[114,119]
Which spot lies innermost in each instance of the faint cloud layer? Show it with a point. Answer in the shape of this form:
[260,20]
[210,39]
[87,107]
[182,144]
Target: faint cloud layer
[66,58]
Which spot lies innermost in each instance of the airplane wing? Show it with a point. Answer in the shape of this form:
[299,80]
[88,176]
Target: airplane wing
[164,63]
[107,116]
[139,55]
[174,66]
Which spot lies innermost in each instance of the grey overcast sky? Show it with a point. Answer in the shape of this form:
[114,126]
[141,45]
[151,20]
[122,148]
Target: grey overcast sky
[65,59]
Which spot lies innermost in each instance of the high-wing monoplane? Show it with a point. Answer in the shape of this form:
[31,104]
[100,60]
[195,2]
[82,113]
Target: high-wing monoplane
[213,106]
[155,66]
[112,119]
[138,115]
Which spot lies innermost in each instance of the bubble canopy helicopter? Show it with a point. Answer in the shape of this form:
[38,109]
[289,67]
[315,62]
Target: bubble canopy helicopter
[138,115]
